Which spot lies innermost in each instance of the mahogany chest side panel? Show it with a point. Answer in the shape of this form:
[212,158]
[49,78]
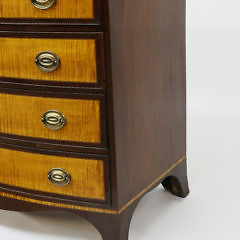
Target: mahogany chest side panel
[148,84]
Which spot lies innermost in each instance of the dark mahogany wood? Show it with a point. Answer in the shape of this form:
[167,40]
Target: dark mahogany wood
[114,227]
[148,91]
[177,182]
[144,86]
[111,227]
[52,27]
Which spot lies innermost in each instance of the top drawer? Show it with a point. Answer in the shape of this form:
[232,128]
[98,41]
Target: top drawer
[80,10]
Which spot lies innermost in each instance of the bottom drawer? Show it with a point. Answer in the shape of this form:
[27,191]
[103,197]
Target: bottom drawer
[68,176]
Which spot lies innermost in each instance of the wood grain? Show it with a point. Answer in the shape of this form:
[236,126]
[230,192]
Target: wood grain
[149,91]
[178,168]
[21,115]
[29,170]
[144,49]
[77,57]
[78,9]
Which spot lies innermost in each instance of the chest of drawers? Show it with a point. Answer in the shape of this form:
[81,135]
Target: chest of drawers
[92,106]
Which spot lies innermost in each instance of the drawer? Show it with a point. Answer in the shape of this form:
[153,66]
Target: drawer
[63,119]
[71,177]
[87,10]
[53,61]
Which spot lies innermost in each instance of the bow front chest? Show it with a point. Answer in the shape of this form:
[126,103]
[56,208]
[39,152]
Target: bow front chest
[92,106]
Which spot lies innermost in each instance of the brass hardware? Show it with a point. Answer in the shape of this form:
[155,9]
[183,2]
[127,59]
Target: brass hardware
[59,177]
[53,119]
[43,4]
[47,61]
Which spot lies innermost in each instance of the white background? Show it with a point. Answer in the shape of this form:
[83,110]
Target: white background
[212,210]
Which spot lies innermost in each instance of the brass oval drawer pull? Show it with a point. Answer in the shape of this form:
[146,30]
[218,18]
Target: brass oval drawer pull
[43,4]
[59,177]
[53,119]
[47,61]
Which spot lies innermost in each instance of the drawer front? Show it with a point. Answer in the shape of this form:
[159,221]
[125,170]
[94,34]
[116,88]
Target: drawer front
[31,171]
[24,115]
[22,58]
[59,9]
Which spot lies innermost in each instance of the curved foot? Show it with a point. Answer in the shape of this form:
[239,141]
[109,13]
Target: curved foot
[177,182]
[114,227]
[110,226]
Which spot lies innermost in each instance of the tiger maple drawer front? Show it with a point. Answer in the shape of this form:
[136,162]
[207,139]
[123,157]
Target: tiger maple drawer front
[79,120]
[71,177]
[64,61]
[87,10]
